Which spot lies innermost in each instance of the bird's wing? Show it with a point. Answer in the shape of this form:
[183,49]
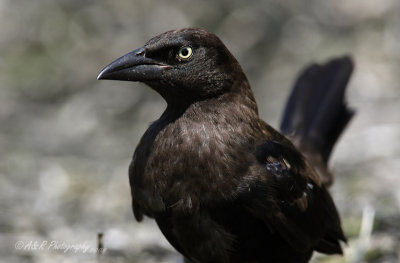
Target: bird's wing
[294,203]
[287,169]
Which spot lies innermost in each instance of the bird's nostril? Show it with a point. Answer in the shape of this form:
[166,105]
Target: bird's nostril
[140,52]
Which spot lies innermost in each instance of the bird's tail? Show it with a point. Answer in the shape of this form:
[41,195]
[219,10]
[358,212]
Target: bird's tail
[316,113]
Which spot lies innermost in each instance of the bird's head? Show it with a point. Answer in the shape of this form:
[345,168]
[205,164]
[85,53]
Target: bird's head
[182,65]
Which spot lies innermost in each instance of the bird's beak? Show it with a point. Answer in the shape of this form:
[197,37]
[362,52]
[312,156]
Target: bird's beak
[134,66]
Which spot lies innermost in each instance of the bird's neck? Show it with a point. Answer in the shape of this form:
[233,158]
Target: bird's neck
[223,106]
[239,99]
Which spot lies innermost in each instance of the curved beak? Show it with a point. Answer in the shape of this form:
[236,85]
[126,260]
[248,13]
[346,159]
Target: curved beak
[134,66]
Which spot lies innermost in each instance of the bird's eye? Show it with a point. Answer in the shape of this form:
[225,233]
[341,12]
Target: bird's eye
[185,52]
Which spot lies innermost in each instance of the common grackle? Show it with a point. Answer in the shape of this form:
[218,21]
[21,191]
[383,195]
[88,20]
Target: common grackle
[223,185]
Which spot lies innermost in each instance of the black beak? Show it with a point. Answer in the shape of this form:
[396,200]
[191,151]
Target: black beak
[134,66]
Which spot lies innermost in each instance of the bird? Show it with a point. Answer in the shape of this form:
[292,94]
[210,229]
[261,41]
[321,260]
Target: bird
[222,184]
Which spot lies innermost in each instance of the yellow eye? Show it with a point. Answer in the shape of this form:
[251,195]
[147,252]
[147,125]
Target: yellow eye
[185,52]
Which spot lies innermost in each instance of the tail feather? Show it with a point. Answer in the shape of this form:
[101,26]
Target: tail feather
[316,113]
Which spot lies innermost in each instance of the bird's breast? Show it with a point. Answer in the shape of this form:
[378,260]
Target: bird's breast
[191,163]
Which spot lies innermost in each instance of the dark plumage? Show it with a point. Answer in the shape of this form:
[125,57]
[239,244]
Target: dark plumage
[316,115]
[222,185]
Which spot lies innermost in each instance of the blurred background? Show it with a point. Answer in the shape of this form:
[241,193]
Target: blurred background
[66,139]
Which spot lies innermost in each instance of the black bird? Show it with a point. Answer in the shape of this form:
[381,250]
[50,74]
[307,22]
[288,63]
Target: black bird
[223,185]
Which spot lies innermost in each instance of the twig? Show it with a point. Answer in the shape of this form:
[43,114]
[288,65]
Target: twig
[365,233]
